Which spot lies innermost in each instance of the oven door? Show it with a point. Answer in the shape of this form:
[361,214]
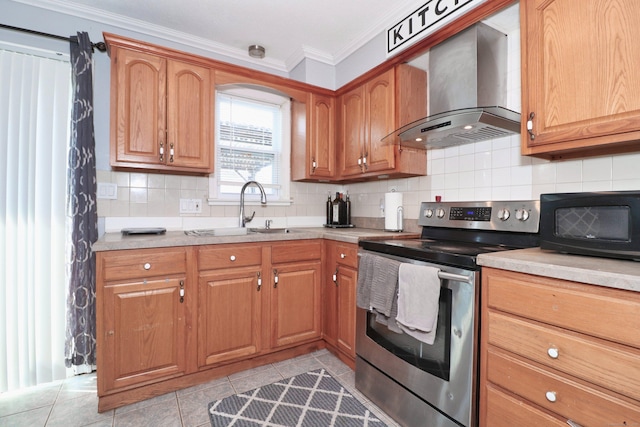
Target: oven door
[442,375]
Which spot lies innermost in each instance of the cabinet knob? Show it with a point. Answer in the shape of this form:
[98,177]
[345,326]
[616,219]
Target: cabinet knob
[551,396]
[553,352]
[232,257]
[343,256]
[147,266]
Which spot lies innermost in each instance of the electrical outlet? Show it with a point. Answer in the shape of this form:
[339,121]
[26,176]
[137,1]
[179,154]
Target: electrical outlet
[190,206]
[107,190]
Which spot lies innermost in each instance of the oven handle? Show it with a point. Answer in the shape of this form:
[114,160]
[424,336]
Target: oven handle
[455,277]
[443,275]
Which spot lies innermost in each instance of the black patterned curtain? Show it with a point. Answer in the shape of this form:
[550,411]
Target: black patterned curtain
[82,216]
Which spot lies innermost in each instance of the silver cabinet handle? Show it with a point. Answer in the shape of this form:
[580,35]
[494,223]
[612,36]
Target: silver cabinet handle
[343,256]
[147,266]
[171,152]
[232,258]
[553,352]
[573,423]
[259,281]
[275,278]
[551,396]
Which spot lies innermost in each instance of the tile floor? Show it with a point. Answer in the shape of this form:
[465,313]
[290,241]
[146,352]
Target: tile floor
[73,402]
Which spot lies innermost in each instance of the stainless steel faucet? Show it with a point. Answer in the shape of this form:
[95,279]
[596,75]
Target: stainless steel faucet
[263,200]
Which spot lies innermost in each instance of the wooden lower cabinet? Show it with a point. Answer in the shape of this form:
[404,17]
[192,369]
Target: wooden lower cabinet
[555,351]
[295,292]
[170,318]
[140,317]
[339,299]
[229,315]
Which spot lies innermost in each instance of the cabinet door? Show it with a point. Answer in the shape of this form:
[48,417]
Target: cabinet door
[380,122]
[143,333]
[347,279]
[229,315]
[580,74]
[352,119]
[138,92]
[189,116]
[295,303]
[322,136]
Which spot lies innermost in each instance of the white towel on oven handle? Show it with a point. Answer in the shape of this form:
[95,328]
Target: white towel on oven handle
[418,301]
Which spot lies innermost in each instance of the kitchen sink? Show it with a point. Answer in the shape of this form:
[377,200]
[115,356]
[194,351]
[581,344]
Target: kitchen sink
[271,230]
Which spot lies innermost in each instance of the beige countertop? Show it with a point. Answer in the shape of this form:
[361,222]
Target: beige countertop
[612,273]
[117,241]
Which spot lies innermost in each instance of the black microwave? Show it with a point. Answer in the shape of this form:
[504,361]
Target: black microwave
[603,224]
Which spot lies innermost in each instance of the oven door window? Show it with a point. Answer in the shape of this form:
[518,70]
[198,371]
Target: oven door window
[435,358]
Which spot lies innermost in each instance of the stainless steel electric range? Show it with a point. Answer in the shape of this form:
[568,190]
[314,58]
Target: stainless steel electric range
[435,385]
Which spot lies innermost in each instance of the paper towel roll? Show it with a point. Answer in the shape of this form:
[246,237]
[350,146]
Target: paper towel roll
[393,211]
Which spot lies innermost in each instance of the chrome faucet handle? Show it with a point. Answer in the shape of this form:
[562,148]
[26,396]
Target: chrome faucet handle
[249,218]
[267,223]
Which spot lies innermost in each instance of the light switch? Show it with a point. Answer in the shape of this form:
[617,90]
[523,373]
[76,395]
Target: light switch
[190,206]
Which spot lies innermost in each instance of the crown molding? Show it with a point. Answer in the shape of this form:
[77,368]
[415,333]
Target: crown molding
[206,45]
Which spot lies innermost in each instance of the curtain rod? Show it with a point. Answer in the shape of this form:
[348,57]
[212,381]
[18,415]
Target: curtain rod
[101,46]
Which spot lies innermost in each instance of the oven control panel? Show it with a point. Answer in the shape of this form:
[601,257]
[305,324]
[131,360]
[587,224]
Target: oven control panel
[513,215]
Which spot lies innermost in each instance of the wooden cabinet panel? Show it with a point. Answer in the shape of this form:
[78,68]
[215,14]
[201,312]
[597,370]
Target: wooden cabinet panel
[189,116]
[571,305]
[563,396]
[313,154]
[306,250]
[380,122]
[339,297]
[575,354]
[504,410]
[142,336]
[347,279]
[135,264]
[580,77]
[229,315]
[352,132]
[138,97]
[295,303]
[229,256]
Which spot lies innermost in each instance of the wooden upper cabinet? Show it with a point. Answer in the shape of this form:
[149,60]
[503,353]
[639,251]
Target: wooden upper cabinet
[580,77]
[313,138]
[189,116]
[373,110]
[161,112]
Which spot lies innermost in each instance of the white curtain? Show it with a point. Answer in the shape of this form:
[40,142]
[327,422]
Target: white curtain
[34,134]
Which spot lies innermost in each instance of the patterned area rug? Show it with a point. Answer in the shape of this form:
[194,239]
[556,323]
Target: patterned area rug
[312,399]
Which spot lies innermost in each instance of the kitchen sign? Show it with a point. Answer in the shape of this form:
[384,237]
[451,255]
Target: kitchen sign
[425,20]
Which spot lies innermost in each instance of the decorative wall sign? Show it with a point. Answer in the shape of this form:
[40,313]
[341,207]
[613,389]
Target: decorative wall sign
[434,14]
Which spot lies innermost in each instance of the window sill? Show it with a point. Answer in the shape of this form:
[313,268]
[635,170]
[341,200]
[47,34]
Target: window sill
[236,202]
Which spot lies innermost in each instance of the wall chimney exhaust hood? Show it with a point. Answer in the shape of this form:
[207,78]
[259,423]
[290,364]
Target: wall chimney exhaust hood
[467,92]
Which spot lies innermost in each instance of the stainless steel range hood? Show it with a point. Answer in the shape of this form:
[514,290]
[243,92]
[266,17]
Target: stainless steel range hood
[467,93]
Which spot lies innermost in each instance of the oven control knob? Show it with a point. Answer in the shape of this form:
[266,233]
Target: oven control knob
[440,213]
[428,213]
[522,215]
[504,214]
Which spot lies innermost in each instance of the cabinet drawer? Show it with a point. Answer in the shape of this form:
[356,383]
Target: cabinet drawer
[594,361]
[229,256]
[306,250]
[504,410]
[347,254]
[139,264]
[593,310]
[573,401]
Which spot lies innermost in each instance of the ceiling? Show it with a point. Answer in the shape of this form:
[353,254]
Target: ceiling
[290,30]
